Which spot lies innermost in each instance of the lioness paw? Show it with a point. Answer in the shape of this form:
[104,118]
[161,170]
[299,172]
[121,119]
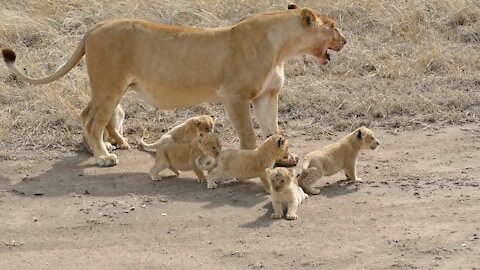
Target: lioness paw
[276,216]
[123,146]
[291,217]
[108,160]
[110,147]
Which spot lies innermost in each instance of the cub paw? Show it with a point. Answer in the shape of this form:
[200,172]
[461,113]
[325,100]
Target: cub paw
[315,191]
[276,216]
[107,160]
[212,185]
[291,217]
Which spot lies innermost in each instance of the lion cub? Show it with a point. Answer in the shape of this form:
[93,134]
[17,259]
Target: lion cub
[245,164]
[335,157]
[185,132]
[184,157]
[285,192]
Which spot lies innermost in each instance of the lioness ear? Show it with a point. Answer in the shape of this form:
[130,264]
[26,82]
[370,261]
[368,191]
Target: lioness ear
[292,6]
[308,18]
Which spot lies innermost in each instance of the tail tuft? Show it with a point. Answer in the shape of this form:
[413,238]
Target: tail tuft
[9,55]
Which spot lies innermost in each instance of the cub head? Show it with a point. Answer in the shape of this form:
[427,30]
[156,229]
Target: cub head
[321,33]
[276,144]
[366,138]
[209,143]
[202,124]
[280,178]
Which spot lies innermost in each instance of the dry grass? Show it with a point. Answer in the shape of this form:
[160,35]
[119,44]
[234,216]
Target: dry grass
[408,64]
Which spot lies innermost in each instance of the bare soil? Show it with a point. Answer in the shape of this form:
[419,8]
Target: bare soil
[418,207]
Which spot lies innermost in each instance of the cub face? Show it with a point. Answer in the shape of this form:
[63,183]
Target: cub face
[280,178]
[366,138]
[210,144]
[204,123]
[279,145]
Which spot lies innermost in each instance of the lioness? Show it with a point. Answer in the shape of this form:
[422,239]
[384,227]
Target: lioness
[285,192]
[245,164]
[173,66]
[335,157]
[185,132]
[184,157]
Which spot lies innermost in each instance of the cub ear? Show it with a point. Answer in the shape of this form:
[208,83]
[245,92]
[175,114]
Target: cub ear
[292,6]
[280,142]
[197,122]
[359,134]
[308,18]
[291,172]
[268,171]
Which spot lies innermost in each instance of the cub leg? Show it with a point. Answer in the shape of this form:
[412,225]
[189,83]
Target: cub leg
[292,210]
[277,209]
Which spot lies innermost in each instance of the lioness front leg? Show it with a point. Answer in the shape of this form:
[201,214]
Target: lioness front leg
[277,209]
[292,210]
[265,108]
[238,110]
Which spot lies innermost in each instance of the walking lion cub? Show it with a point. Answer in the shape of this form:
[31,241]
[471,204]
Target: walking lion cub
[185,157]
[245,164]
[335,157]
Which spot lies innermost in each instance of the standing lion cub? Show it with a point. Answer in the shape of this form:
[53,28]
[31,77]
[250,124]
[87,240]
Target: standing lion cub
[335,157]
[186,132]
[285,193]
[245,164]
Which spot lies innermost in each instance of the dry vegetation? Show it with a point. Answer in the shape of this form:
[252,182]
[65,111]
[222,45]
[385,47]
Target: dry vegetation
[408,64]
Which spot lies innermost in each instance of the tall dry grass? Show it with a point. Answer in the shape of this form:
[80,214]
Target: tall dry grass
[408,64]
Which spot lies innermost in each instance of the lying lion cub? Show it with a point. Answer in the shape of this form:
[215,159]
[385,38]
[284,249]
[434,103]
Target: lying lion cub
[335,157]
[245,164]
[285,193]
[184,157]
[186,132]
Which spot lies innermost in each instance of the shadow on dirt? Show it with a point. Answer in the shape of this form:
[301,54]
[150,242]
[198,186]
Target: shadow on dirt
[79,175]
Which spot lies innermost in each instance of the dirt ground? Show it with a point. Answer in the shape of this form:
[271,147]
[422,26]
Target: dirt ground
[418,207]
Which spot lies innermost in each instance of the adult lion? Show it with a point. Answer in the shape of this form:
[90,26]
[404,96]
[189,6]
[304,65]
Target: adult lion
[172,66]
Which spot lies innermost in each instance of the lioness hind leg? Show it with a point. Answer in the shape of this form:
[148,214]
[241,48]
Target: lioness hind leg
[115,136]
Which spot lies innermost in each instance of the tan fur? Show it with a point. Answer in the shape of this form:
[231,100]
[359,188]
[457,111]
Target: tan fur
[245,164]
[173,66]
[285,192]
[185,132]
[184,157]
[335,157]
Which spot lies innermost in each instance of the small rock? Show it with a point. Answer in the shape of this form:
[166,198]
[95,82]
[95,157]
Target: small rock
[86,192]
[35,219]
[164,214]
